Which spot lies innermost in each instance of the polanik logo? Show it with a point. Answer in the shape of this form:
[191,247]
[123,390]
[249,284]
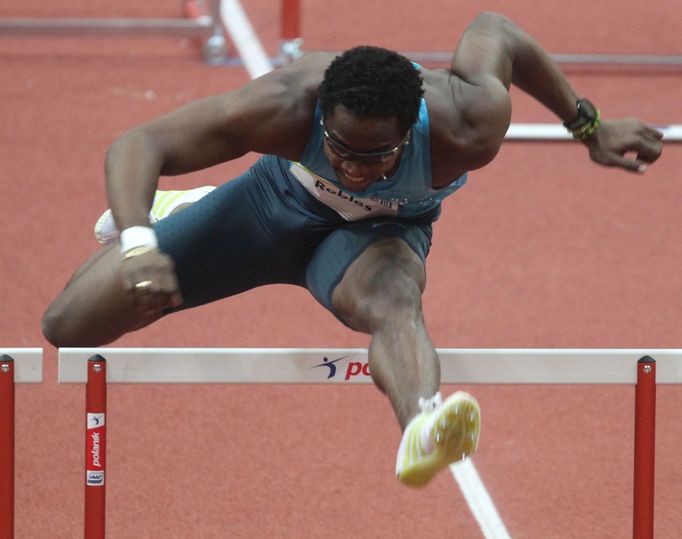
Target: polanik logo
[95,420]
[354,368]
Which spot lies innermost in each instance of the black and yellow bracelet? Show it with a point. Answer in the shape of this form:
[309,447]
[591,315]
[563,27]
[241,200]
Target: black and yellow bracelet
[585,131]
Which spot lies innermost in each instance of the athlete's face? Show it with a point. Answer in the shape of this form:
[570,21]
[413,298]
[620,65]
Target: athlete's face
[361,150]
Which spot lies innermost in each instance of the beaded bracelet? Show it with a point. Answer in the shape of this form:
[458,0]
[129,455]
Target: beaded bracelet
[585,131]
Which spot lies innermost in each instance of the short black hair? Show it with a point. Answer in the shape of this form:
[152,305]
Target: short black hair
[373,82]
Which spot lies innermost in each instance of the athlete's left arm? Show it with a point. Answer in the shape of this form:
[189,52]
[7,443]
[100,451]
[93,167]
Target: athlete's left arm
[493,48]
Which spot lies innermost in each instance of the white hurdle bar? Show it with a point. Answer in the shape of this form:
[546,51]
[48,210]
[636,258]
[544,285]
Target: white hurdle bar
[557,132]
[98,367]
[305,366]
[23,366]
[583,59]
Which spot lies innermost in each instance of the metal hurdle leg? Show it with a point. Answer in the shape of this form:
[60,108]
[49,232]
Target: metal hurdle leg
[95,448]
[645,445]
[215,47]
[6,447]
[290,31]
[18,365]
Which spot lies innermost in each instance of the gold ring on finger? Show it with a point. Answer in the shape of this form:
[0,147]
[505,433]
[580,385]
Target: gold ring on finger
[142,285]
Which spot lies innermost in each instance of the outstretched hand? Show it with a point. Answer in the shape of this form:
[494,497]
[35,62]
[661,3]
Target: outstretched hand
[627,143]
[150,278]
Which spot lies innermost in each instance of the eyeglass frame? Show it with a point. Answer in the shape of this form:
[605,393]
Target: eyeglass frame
[344,152]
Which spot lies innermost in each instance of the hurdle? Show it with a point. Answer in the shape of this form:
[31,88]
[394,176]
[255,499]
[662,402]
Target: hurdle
[17,366]
[200,19]
[98,367]
[205,21]
[292,37]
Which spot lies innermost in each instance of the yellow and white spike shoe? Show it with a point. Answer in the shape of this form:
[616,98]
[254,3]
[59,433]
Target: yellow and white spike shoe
[165,203]
[443,433]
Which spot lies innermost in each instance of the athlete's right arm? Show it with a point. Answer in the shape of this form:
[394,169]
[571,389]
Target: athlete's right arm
[268,115]
[272,114]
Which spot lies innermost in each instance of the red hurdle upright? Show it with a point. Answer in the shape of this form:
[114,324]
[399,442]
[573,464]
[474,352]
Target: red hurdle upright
[6,447]
[645,449]
[290,20]
[95,447]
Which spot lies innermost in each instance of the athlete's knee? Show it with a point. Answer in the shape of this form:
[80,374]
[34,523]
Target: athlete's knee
[82,313]
[63,325]
[395,292]
[53,326]
[389,294]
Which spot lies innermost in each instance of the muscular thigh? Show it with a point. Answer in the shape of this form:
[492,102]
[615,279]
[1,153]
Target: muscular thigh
[345,252]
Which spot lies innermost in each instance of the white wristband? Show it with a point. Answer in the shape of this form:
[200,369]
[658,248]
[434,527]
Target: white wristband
[138,236]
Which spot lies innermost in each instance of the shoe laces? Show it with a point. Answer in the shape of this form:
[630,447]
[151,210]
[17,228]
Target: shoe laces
[431,403]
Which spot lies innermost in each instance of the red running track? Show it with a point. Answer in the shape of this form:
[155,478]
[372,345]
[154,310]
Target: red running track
[542,249]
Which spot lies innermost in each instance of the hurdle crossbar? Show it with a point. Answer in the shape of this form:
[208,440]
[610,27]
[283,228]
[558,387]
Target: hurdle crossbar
[302,366]
[557,132]
[583,59]
[17,365]
[106,27]
[99,366]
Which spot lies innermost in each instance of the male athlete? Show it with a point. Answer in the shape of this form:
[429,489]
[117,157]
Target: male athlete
[358,153]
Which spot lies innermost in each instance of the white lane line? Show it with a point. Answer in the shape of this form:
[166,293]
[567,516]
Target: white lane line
[479,500]
[250,49]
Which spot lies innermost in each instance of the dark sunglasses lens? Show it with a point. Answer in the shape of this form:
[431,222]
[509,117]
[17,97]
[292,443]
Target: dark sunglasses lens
[345,153]
[377,158]
[338,150]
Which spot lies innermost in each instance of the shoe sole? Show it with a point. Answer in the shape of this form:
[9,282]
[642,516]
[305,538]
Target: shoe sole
[454,436]
[102,238]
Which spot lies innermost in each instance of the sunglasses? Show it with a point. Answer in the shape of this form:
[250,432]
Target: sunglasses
[344,152]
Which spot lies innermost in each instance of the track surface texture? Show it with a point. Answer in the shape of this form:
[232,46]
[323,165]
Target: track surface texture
[541,249]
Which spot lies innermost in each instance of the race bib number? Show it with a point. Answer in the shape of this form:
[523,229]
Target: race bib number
[348,206]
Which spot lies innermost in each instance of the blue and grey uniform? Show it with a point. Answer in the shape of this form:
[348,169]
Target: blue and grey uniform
[294,223]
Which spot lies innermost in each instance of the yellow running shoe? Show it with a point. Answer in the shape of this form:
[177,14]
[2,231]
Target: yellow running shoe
[443,433]
[165,203]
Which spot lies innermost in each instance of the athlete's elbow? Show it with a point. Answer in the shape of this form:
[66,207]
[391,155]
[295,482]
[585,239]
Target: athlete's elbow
[494,21]
[134,145]
[501,28]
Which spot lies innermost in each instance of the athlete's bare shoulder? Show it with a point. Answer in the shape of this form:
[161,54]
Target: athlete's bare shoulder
[298,83]
[468,119]
[274,113]
[310,68]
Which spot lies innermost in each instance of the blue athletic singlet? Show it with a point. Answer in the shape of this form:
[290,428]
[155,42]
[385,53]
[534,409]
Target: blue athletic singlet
[406,193]
[292,222]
